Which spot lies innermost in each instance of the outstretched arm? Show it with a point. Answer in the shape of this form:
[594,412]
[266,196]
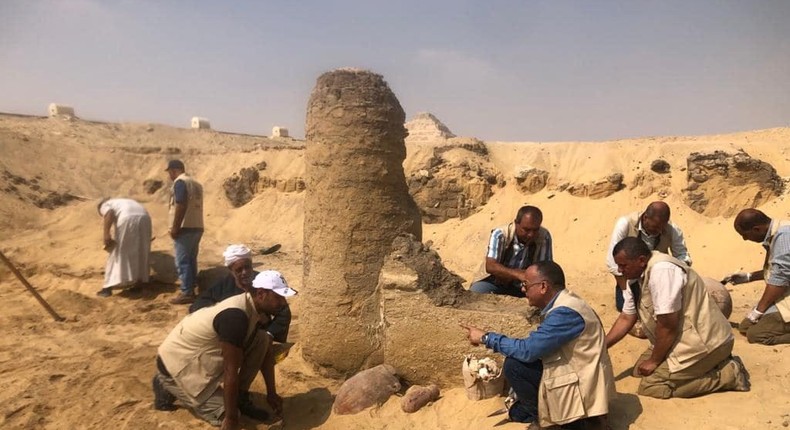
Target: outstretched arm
[667,331]
[503,273]
[622,325]
[231,356]
[109,221]
[267,370]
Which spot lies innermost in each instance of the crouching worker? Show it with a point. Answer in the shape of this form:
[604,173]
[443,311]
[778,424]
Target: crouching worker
[561,373]
[691,341]
[209,360]
[238,260]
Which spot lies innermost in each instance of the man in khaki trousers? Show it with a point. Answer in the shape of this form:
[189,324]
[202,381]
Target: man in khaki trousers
[691,341]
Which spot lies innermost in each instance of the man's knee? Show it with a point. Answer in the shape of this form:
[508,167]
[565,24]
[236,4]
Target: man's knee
[658,390]
[754,335]
[482,287]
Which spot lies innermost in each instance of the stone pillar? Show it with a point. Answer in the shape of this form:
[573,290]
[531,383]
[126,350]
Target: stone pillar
[356,203]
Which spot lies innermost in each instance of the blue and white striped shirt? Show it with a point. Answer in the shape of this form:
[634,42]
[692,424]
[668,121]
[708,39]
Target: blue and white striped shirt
[780,257]
[518,252]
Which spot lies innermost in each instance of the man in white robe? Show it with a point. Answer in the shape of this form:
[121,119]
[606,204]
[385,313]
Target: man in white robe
[127,264]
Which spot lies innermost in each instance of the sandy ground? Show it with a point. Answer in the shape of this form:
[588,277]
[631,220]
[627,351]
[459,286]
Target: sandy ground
[94,370]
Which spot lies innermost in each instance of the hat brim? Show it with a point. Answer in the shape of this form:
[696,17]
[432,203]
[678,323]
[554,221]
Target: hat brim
[285,292]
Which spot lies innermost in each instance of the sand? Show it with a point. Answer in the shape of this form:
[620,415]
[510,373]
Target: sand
[94,370]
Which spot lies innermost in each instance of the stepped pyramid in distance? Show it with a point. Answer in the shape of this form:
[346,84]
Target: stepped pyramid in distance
[424,126]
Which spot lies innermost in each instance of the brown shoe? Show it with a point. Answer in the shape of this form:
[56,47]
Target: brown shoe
[182,299]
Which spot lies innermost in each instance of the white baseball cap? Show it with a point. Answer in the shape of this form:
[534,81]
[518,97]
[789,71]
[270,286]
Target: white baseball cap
[273,280]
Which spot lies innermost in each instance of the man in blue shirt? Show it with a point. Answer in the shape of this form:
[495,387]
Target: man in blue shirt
[563,361]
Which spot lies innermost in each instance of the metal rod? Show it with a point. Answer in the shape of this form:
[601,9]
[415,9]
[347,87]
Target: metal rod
[31,289]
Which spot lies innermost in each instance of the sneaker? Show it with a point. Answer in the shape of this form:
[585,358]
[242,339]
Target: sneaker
[741,374]
[248,408]
[183,299]
[104,292]
[163,400]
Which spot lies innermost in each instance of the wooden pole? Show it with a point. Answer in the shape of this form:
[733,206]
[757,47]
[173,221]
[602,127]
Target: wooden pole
[31,289]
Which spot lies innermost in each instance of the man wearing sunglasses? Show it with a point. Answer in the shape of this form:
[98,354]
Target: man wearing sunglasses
[564,362]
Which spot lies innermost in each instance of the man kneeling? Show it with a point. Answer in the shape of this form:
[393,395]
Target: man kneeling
[691,341]
[219,345]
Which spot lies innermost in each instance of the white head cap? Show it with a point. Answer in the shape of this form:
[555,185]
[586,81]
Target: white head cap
[234,253]
[273,280]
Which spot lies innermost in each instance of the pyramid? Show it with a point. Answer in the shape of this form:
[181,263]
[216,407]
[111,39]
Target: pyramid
[425,126]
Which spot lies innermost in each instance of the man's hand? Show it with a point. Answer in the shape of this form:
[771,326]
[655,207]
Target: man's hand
[276,403]
[109,244]
[647,367]
[737,278]
[475,335]
[174,232]
[754,315]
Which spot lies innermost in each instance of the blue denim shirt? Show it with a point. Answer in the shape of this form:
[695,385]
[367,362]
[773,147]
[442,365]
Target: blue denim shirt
[560,327]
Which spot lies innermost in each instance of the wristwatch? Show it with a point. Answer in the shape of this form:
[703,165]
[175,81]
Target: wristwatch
[484,339]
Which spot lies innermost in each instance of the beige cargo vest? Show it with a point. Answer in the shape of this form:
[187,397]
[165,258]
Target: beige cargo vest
[783,304]
[703,327]
[577,380]
[509,231]
[192,353]
[193,218]
[664,239]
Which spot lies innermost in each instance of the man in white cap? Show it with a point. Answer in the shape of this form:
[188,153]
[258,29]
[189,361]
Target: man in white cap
[193,359]
[238,259]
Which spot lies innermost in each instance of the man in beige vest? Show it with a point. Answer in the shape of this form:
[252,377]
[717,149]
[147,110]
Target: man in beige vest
[659,234]
[511,249]
[769,321]
[209,360]
[561,373]
[691,341]
[186,228]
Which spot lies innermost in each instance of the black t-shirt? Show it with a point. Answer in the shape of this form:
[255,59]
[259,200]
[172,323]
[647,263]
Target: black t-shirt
[231,326]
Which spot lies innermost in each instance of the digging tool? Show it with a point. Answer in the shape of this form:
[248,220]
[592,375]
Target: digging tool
[270,250]
[31,289]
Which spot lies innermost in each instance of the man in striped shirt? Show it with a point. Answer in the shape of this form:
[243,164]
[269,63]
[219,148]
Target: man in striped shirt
[511,249]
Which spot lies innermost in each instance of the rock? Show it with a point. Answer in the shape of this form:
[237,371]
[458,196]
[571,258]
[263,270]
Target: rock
[530,179]
[240,188]
[660,166]
[151,186]
[365,389]
[456,182]
[597,189]
[418,396]
[721,184]
[718,292]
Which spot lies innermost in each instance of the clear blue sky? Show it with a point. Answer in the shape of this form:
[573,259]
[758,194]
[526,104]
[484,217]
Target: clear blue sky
[498,70]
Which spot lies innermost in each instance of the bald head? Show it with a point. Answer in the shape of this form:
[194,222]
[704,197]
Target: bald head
[750,218]
[655,218]
[658,210]
[752,225]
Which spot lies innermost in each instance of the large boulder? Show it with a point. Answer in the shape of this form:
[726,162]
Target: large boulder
[721,184]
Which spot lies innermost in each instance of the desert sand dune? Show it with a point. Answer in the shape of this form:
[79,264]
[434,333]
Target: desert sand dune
[94,370]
